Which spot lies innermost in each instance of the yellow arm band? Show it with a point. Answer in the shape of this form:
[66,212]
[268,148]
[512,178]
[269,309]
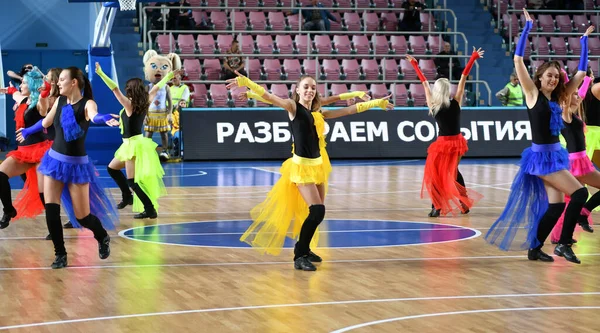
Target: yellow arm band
[164,81]
[349,95]
[251,94]
[364,106]
[110,83]
[243,81]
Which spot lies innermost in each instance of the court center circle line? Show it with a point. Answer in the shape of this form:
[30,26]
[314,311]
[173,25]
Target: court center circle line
[476,234]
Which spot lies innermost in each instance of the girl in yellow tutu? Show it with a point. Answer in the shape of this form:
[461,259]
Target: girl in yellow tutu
[295,204]
[137,154]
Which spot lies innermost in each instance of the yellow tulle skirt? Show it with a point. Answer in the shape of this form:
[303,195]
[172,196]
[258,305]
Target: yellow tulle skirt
[284,210]
[592,140]
[148,170]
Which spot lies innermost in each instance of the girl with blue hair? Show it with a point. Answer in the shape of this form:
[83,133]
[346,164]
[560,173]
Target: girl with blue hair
[29,152]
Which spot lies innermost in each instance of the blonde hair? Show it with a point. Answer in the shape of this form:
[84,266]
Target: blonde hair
[440,96]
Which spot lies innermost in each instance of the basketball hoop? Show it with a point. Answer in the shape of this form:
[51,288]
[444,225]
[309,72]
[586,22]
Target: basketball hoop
[127,4]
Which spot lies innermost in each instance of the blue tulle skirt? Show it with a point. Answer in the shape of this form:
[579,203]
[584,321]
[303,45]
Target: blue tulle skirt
[80,170]
[516,228]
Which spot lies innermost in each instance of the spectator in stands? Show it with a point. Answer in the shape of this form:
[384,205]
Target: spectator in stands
[536,4]
[179,91]
[316,19]
[412,16]
[180,94]
[175,133]
[512,93]
[233,62]
[574,5]
[443,64]
[180,18]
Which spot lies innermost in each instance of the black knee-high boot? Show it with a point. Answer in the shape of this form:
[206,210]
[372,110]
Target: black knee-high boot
[93,223]
[6,198]
[149,210]
[572,213]
[302,248]
[56,234]
[121,180]
[589,206]
[545,227]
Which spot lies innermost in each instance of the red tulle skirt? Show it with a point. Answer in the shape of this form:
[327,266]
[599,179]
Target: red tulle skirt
[28,203]
[439,180]
[32,153]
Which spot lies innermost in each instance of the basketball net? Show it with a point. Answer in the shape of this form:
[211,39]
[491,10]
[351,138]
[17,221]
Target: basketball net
[127,4]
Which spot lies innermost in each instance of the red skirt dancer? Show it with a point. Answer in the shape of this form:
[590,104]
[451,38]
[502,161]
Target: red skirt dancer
[28,202]
[439,180]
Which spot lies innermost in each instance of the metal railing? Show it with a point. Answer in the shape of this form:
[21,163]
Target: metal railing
[536,33]
[477,82]
[320,69]
[144,17]
[533,57]
[269,32]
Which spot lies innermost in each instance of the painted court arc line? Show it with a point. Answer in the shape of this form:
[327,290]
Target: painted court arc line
[438,314]
[288,305]
[477,233]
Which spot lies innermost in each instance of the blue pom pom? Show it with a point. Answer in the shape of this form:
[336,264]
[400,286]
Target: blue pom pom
[72,130]
[556,121]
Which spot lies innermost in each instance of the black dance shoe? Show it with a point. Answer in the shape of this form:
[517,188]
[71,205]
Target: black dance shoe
[434,212]
[60,261]
[304,264]
[563,250]
[104,248]
[146,215]
[125,202]
[313,257]
[535,254]
[5,221]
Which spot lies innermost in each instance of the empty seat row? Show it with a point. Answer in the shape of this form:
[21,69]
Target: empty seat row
[328,69]
[559,47]
[347,21]
[545,23]
[302,44]
[218,95]
[288,3]
[571,65]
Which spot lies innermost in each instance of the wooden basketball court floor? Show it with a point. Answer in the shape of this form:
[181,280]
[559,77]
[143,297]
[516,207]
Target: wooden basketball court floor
[387,266]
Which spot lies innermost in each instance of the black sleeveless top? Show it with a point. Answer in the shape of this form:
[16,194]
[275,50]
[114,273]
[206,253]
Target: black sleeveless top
[573,134]
[539,117]
[592,109]
[132,126]
[306,140]
[77,146]
[448,119]
[30,118]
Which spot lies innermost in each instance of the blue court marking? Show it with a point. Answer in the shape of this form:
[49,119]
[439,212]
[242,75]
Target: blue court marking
[334,233]
[249,173]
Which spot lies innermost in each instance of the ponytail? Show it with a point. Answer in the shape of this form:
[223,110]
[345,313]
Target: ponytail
[87,88]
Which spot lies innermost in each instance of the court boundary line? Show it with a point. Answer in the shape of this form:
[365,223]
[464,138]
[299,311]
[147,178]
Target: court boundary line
[269,263]
[289,305]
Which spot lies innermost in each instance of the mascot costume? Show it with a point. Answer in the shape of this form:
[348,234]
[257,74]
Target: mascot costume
[160,113]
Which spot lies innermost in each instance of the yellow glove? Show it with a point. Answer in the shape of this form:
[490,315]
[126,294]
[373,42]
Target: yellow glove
[251,94]
[364,106]
[243,81]
[165,80]
[349,95]
[110,83]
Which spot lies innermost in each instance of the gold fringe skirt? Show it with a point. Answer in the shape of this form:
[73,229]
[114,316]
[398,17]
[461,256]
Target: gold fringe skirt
[157,122]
